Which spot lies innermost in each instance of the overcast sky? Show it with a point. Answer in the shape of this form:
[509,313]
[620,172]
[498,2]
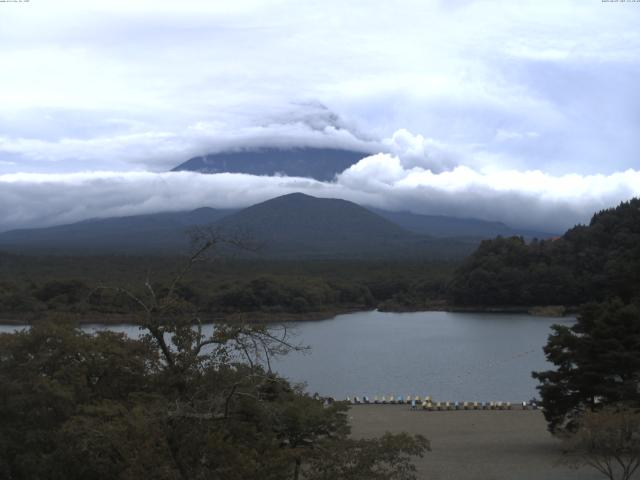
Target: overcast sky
[522,111]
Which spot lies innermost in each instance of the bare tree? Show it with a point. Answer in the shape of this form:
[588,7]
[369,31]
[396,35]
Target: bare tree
[177,330]
[607,440]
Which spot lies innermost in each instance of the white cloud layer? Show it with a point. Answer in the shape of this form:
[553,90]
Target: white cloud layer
[143,85]
[522,111]
[530,199]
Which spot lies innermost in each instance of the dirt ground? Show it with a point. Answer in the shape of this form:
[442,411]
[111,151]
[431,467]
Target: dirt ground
[475,444]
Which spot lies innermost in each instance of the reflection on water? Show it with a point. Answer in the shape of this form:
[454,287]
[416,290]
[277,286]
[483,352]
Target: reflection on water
[450,356]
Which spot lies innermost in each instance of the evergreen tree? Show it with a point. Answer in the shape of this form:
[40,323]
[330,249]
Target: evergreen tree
[597,363]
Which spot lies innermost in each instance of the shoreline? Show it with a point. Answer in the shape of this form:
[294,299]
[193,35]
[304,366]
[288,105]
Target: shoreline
[130,318]
[281,317]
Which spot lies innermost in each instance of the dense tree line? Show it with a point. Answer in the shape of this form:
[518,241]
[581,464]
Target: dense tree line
[271,288]
[588,263]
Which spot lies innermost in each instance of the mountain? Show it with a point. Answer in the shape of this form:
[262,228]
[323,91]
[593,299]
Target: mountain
[443,226]
[318,163]
[156,233]
[298,224]
[292,226]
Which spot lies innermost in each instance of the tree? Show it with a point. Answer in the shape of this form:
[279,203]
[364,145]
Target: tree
[597,364]
[175,404]
[587,263]
[608,441]
[49,375]
[386,458]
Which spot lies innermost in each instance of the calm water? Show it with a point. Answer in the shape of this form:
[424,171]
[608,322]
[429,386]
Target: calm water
[450,356]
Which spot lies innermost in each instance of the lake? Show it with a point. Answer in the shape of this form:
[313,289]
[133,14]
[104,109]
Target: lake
[450,356]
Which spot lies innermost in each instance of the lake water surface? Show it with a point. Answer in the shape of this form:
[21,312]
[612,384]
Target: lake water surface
[450,356]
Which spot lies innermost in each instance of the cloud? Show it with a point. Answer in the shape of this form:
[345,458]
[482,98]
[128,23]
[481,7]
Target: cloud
[144,148]
[199,76]
[523,111]
[318,127]
[508,135]
[530,199]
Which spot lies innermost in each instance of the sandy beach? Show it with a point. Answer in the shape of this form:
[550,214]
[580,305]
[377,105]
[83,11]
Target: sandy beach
[474,445]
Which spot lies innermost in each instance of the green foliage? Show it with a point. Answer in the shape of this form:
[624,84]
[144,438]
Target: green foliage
[587,263]
[48,374]
[79,406]
[269,293]
[597,364]
[69,291]
[69,285]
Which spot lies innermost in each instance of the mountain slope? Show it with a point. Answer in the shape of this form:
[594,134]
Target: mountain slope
[297,223]
[156,233]
[292,226]
[318,163]
[443,226]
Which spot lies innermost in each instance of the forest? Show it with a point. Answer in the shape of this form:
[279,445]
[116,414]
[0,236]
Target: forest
[588,263]
[33,287]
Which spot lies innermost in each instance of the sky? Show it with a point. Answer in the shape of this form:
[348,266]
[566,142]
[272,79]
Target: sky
[526,112]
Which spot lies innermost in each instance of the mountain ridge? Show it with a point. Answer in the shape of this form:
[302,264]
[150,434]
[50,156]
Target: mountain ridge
[445,226]
[290,225]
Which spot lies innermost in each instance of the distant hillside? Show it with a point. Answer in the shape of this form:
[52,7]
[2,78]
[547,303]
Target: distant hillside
[156,233]
[443,226]
[318,163]
[588,263]
[293,226]
[297,224]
